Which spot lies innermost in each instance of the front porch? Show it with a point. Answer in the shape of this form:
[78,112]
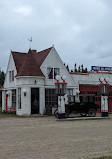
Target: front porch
[9,101]
[24,100]
[10,110]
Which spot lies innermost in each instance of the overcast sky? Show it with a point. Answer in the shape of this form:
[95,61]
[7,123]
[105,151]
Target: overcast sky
[81,30]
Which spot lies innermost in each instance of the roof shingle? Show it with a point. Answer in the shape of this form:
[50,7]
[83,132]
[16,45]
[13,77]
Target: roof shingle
[28,64]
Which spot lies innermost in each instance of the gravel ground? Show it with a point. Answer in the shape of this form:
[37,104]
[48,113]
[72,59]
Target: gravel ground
[46,138]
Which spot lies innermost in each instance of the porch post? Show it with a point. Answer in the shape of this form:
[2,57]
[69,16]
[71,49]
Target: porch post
[3,100]
[25,102]
[42,100]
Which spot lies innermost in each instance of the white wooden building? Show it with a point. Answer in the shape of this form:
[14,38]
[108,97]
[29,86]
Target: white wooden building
[29,83]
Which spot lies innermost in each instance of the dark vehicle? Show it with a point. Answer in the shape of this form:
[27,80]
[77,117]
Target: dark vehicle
[83,104]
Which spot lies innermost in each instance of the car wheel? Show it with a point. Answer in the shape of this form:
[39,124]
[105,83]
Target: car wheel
[83,114]
[56,113]
[92,113]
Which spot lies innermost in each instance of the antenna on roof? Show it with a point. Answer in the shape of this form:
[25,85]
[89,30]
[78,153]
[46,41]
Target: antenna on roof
[30,41]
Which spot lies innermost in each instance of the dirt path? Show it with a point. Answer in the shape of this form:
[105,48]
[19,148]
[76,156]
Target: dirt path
[46,138]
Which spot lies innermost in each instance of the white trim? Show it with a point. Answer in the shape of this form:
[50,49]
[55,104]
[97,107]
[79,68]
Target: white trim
[53,51]
[35,86]
[53,86]
[46,57]
[50,86]
[65,68]
[9,88]
[29,77]
[7,68]
[29,85]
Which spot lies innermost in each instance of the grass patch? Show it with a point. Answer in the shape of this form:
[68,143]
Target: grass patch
[109,157]
[2,114]
[104,157]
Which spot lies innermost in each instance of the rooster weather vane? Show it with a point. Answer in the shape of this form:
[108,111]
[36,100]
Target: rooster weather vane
[30,41]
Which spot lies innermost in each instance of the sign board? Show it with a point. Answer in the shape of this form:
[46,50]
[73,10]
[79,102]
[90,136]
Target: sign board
[98,68]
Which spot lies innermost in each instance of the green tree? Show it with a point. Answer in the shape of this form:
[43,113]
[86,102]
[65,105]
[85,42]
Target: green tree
[82,69]
[2,77]
[86,70]
[75,67]
[79,68]
[67,68]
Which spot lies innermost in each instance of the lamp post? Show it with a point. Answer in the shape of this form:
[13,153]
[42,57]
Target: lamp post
[104,92]
[24,92]
[61,87]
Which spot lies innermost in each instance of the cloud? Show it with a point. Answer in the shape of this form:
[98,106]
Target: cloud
[23,10]
[81,30]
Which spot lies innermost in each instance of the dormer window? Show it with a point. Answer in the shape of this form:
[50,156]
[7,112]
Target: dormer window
[56,72]
[11,76]
[52,72]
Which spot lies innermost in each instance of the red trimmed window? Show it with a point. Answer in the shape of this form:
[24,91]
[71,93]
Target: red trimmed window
[14,98]
[50,97]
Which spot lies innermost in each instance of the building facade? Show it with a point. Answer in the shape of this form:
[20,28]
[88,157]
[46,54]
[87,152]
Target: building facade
[29,86]
[88,83]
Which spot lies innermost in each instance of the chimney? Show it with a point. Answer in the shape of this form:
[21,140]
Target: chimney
[32,51]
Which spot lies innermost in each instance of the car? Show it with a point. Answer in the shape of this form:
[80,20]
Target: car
[83,104]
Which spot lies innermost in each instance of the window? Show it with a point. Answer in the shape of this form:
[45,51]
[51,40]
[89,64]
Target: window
[92,99]
[70,95]
[11,76]
[70,92]
[85,99]
[50,97]
[19,98]
[56,72]
[52,72]
[14,98]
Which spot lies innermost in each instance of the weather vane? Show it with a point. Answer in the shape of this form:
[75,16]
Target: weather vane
[30,41]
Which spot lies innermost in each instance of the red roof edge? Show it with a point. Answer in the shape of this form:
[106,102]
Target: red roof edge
[78,73]
[90,72]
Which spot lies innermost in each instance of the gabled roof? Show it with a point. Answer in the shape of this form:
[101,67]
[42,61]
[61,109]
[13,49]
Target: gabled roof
[28,64]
